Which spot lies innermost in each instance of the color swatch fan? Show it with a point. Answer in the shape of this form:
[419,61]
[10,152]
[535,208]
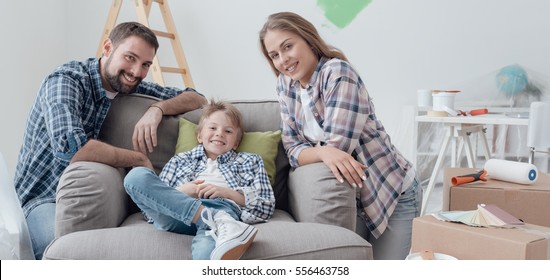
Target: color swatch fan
[488,215]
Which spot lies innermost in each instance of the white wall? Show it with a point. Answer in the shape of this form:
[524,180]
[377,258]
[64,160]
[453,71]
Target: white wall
[397,45]
[33,43]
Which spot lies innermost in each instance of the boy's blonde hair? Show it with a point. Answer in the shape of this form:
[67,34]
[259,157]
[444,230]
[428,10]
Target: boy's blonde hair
[230,111]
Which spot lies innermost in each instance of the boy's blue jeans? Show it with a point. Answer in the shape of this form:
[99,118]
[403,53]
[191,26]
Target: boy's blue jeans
[173,210]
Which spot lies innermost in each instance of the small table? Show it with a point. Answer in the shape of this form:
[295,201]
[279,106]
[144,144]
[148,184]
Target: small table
[460,128]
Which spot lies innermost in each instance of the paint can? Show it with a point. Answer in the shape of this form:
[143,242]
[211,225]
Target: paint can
[442,99]
[424,97]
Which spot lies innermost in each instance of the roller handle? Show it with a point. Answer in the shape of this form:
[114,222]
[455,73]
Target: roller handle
[479,112]
[468,178]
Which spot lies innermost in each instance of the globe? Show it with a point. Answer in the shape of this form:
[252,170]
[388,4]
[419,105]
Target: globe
[512,79]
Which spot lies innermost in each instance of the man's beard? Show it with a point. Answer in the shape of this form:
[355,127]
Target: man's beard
[115,83]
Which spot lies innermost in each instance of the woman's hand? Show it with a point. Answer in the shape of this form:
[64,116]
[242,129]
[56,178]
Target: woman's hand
[343,165]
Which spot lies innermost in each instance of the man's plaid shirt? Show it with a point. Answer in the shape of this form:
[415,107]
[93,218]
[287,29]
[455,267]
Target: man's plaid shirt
[69,109]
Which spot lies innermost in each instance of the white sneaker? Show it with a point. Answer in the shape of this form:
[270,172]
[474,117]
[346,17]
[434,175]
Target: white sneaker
[232,237]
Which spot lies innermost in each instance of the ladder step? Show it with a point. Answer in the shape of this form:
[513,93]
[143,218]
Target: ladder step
[164,34]
[160,2]
[173,70]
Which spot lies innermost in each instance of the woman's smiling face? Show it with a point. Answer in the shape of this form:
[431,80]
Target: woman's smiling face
[291,55]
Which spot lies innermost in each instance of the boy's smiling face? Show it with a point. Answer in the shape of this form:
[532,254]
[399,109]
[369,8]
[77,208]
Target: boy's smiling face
[218,135]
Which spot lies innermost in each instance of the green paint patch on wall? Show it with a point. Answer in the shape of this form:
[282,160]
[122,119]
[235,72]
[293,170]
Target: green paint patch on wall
[341,13]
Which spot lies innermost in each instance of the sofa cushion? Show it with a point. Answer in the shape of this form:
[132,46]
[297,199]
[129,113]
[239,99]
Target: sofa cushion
[280,238]
[263,143]
[187,136]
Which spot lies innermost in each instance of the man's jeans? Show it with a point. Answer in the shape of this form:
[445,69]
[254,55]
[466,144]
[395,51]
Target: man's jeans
[41,222]
[172,210]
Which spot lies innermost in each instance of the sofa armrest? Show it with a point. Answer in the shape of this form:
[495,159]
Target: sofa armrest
[316,196]
[90,195]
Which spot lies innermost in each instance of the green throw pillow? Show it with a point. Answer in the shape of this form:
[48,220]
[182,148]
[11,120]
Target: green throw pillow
[263,143]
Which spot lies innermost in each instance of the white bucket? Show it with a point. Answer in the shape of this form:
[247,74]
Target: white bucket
[442,100]
[424,97]
[437,256]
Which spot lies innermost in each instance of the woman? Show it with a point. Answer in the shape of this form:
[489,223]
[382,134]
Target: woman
[329,117]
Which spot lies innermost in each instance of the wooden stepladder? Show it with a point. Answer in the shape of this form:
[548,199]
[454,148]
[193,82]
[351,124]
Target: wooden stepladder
[143,7]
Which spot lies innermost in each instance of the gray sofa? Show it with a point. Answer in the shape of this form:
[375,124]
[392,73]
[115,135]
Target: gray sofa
[315,215]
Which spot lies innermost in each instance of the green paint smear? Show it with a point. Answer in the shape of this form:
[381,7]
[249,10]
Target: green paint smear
[341,13]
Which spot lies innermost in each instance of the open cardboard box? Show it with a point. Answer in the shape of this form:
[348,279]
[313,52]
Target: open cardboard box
[529,203]
[476,243]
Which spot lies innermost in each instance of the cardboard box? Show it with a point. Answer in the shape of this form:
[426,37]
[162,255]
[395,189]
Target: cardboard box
[529,203]
[476,243]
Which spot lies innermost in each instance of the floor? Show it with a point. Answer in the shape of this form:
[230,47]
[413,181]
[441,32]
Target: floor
[435,202]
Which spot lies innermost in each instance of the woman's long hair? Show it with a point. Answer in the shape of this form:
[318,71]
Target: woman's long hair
[291,22]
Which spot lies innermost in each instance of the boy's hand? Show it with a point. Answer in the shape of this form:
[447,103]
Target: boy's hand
[212,191]
[190,188]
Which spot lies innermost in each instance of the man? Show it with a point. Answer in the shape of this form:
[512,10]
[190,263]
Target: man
[67,115]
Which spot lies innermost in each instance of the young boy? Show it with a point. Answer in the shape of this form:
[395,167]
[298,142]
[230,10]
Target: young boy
[211,192]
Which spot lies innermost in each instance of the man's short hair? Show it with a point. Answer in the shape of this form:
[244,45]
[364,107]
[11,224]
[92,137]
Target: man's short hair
[128,29]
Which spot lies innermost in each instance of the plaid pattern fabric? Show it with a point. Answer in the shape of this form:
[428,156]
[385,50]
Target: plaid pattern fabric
[69,109]
[342,107]
[244,172]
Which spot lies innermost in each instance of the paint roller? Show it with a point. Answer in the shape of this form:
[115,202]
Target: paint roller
[511,171]
[503,170]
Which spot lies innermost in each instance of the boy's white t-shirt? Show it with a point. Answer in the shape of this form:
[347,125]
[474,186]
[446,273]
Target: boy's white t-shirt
[212,174]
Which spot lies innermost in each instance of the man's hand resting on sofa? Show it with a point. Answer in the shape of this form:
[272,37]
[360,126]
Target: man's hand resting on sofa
[144,138]
[98,151]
